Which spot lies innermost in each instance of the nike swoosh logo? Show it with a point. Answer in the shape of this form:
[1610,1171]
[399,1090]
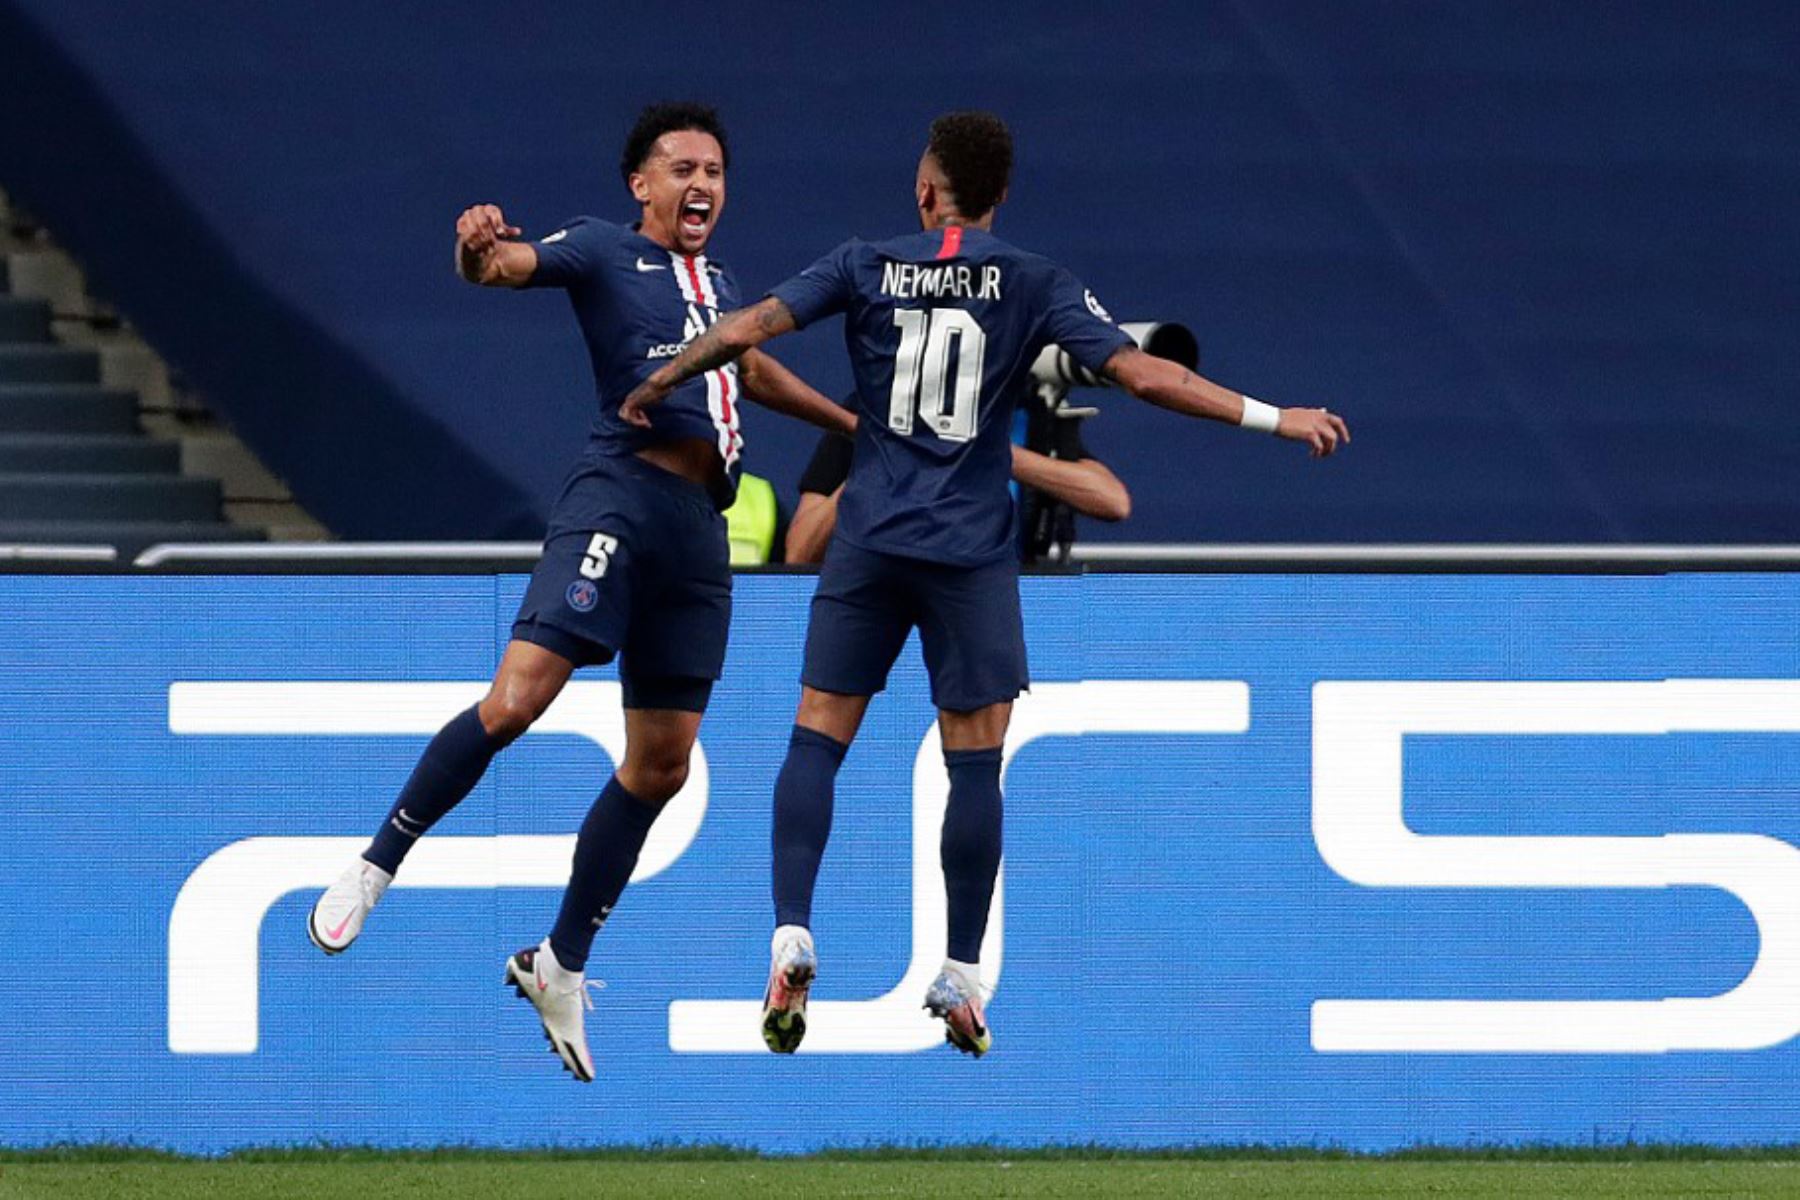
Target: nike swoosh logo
[644,266]
[335,934]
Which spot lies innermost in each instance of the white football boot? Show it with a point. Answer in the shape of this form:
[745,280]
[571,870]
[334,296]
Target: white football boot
[793,965]
[340,912]
[955,999]
[560,996]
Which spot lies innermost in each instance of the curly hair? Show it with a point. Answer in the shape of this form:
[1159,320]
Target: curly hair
[976,153]
[672,117]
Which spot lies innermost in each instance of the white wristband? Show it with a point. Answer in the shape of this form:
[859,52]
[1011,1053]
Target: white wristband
[1260,416]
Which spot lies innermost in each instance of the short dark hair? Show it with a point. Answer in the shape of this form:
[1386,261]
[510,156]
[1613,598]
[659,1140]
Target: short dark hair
[672,117]
[976,153]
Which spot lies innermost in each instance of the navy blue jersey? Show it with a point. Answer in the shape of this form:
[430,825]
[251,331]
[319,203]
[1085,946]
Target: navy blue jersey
[942,328]
[638,304]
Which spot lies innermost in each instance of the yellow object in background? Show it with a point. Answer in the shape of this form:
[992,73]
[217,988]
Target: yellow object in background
[751,521]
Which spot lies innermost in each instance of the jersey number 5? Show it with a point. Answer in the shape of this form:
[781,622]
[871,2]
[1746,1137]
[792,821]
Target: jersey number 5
[599,555]
[922,373]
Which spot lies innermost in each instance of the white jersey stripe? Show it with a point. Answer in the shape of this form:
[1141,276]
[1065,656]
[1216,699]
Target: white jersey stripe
[731,391]
[718,416]
[695,282]
[730,394]
[708,296]
[678,263]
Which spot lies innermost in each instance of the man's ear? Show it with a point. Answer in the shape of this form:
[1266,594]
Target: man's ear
[640,187]
[927,195]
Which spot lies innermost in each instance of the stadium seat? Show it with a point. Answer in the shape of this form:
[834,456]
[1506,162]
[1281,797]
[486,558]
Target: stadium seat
[47,363]
[49,496]
[24,320]
[129,537]
[93,454]
[75,467]
[66,408]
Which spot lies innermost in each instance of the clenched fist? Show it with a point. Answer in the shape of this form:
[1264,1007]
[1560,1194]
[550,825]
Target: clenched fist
[481,228]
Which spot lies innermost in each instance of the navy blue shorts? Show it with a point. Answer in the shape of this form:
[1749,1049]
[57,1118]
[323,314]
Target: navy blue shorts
[968,619]
[635,565]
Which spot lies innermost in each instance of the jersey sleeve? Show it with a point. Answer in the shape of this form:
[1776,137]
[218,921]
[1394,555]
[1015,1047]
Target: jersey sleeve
[826,287]
[829,466]
[572,253]
[1078,323]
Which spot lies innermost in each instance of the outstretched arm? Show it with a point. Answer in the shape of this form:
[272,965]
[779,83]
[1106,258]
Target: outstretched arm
[486,253]
[1174,387]
[1084,484]
[733,334]
[775,387]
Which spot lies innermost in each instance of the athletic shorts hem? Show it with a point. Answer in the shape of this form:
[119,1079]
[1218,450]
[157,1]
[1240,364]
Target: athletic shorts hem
[838,685]
[582,651]
[682,693]
[969,704]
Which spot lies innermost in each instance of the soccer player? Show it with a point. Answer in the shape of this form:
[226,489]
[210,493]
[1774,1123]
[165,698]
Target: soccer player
[635,559]
[940,326]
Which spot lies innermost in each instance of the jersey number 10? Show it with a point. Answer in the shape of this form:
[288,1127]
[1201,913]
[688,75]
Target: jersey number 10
[922,379]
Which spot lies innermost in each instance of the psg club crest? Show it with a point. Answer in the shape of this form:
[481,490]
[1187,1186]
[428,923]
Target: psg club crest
[583,595]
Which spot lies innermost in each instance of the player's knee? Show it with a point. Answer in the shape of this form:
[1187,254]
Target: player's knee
[507,713]
[655,778]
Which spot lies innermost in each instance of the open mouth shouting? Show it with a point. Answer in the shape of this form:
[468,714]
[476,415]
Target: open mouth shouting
[695,217]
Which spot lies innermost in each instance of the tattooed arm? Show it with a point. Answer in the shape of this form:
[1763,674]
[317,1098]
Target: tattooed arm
[735,332]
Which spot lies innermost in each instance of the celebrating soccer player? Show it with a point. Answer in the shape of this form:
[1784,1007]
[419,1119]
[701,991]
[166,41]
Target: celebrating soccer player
[941,325]
[635,557]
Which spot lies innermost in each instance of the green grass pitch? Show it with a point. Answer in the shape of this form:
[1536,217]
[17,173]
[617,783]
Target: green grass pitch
[75,1173]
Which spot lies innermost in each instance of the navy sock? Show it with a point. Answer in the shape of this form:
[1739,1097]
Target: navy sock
[449,769]
[970,849]
[803,802]
[605,855]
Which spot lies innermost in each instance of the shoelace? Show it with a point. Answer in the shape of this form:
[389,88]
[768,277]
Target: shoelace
[587,999]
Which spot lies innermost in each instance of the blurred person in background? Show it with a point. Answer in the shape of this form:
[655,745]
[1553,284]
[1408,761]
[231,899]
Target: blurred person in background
[1046,481]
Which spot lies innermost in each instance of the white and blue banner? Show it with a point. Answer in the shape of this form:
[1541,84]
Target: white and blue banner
[1354,860]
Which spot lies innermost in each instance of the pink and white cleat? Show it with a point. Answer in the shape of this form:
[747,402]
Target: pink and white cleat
[338,915]
[793,965]
[955,999]
[561,998]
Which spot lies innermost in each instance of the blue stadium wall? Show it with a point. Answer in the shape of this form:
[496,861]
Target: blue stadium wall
[1460,860]
[1544,255]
